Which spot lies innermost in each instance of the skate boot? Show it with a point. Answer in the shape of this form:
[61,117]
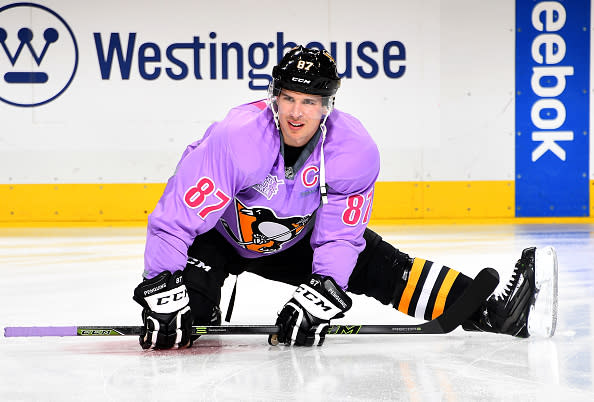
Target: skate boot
[528,305]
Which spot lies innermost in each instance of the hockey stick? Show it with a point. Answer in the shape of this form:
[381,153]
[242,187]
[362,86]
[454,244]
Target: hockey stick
[483,285]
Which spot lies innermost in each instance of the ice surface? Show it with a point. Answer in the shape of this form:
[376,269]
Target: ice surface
[86,277]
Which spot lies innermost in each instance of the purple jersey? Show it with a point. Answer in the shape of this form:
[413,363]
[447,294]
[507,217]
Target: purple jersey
[234,179]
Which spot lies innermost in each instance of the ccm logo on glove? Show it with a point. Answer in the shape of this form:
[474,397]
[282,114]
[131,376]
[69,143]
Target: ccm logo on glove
[169,300]
[315,303]
[176,297]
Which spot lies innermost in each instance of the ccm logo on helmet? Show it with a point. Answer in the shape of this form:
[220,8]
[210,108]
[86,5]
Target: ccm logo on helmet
[302,80]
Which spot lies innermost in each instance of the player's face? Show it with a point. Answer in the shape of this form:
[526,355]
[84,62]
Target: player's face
[299,116]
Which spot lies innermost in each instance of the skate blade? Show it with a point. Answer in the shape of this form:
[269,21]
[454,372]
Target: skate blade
[542,319]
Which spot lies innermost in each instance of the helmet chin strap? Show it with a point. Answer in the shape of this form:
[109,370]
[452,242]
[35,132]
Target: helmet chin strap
[271,102]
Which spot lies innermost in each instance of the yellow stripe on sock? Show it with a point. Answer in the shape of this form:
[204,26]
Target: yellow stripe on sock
[411,284]
[442,295]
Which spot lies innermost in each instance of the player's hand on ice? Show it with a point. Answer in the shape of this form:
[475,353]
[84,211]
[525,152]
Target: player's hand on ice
[166,315]
[304,320]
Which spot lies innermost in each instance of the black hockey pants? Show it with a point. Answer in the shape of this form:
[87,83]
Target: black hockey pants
[378,273]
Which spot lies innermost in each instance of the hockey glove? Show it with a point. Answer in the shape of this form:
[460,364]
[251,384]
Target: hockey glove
[166,315]
[304,320]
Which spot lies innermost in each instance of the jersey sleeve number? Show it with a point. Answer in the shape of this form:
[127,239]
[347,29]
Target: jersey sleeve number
[354,209]
[196,195]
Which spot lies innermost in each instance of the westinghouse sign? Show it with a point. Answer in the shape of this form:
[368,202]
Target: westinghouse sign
[552,107]
[198,58]
[38,48]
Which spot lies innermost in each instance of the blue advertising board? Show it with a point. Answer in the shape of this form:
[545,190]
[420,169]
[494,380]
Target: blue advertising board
[552,108]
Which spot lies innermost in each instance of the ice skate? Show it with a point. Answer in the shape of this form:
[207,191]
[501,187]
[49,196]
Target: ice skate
[542,318]
[528,305]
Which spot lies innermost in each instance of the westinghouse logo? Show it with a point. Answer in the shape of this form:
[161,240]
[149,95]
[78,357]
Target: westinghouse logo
[38,55]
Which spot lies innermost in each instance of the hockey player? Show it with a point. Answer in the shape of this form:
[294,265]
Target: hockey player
[283,189]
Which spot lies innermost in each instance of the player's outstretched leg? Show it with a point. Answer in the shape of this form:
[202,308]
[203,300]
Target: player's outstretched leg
[528,305]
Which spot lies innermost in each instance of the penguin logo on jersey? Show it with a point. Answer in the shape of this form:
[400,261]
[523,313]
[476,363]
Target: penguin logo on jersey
[262,231]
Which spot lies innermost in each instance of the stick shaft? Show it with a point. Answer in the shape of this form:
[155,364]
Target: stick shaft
[115,330]
[483,285]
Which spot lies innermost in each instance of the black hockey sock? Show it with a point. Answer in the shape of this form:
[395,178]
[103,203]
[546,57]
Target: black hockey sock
[430,289]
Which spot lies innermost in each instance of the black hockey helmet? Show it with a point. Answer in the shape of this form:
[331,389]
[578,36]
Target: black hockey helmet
[310,71]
